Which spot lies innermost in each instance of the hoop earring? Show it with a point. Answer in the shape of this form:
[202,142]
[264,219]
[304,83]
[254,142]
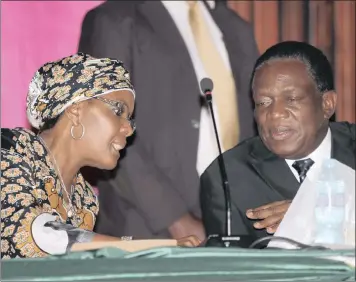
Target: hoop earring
[72,134]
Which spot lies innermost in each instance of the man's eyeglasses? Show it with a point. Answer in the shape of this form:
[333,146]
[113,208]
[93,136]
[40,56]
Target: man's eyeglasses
[119,109]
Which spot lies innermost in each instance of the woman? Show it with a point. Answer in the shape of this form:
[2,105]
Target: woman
[82,107]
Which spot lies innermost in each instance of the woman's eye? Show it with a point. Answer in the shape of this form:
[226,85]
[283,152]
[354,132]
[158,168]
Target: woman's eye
[118,112]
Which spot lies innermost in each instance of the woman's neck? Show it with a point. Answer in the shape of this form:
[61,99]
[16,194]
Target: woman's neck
[63,156]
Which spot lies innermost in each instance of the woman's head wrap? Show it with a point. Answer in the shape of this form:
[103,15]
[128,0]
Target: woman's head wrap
[57,85]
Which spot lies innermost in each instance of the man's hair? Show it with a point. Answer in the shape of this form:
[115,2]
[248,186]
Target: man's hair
[314,60]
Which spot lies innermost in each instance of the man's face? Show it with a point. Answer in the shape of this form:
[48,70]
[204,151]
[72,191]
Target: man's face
[292,116]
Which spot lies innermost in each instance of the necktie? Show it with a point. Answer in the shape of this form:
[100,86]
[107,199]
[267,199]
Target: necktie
[302,168]
[225,97]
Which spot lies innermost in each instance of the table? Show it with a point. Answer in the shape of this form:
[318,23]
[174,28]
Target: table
[184,264]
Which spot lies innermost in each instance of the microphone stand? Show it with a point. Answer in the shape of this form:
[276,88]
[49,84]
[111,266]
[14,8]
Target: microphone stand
[228,240]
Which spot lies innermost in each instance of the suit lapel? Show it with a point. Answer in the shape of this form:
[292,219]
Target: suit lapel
[342,148]
[170,44]
[274,171]
[179,79]
[164,28]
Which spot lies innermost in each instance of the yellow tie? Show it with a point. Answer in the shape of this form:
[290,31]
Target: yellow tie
[224,94]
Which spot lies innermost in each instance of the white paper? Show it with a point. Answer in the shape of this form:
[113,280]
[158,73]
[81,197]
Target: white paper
[299,221]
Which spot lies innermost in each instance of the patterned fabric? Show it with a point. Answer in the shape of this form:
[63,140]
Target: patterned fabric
[30,186]
[302,167]
[57,85]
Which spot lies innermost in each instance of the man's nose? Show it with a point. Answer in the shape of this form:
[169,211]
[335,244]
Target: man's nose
[278,110]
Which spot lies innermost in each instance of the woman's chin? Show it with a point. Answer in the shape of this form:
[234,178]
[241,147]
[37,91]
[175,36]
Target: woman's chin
[108,164]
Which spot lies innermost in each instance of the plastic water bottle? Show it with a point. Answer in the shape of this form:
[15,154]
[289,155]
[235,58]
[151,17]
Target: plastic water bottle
[329,210]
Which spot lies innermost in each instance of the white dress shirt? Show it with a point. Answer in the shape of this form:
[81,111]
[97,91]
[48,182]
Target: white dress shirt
[179,11]
[320,154]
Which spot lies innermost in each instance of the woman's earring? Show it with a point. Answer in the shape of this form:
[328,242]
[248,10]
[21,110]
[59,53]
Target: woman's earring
[72,132]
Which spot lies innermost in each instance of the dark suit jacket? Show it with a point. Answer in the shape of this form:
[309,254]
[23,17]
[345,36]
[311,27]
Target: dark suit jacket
[258,177]
[157,181]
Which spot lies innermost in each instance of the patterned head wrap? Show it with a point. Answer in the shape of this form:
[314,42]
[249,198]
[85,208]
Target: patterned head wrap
[57,85]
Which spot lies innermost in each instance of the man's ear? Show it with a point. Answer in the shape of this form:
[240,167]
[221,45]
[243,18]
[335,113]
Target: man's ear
[329,103]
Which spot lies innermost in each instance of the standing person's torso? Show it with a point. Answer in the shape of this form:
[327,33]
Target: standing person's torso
[168,104]
[167,68]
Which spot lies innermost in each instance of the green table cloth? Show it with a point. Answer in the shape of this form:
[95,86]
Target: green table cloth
[184,264]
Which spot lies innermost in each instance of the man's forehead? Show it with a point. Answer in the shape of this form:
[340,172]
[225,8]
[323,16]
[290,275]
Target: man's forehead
[282,66]
[282,72]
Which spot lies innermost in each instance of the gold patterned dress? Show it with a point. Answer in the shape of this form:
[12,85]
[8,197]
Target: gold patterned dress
[30,187]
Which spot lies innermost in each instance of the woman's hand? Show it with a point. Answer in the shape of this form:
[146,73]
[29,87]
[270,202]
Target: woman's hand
[189,241]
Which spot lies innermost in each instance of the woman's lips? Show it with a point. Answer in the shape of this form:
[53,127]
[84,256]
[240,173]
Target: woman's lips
[117,147]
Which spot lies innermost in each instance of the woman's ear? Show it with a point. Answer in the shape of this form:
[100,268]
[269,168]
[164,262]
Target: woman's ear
[73,113]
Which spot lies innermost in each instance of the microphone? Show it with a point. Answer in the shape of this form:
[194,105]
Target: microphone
[226,240]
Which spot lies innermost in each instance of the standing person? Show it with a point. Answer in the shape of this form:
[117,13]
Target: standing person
[168,47]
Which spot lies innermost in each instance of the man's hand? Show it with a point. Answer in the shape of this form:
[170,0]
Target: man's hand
[190,241]
[271,215]
[186,226]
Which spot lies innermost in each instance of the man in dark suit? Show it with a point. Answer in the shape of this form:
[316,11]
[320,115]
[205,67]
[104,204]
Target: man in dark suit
[294,96]
[155,192]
